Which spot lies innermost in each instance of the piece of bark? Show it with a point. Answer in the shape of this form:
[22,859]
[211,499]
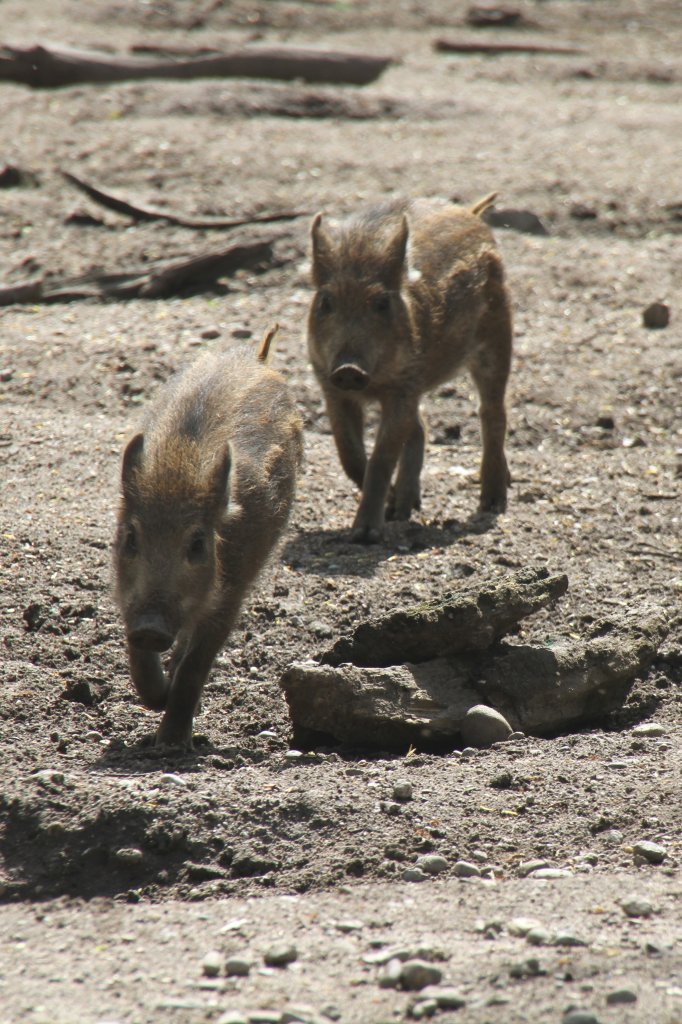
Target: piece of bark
[469,620]
[493,48]
[22,293]
[158,280]
[147,213]
[55,66]
[539,690]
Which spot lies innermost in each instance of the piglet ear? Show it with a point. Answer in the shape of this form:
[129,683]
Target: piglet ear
[393,256]
[132,459]
[220,478]
[323,255]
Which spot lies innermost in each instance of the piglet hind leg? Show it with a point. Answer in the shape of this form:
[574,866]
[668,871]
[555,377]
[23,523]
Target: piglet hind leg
[490,372]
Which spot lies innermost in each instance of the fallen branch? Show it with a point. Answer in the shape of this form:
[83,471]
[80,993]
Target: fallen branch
[147,213]
[158,280]
[43,67]
[482,46]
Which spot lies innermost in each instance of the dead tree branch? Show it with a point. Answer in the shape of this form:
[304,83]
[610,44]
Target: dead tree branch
[147,213]
[159,280]
[494,48]
[43,67]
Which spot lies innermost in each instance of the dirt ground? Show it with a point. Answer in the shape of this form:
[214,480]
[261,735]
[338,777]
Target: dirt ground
[121,867]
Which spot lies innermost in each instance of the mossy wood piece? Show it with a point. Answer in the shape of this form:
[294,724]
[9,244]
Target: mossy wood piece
[469,620]
[539,690]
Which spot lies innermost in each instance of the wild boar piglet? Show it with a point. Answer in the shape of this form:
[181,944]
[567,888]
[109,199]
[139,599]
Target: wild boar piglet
[407,295]
[206,490]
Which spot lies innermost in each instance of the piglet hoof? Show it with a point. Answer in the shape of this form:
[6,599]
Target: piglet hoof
[365,535]
[493,506]
[174,738]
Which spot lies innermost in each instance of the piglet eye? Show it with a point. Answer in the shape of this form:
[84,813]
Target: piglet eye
[196,552]
[382,303]
[325,306]
[130,545]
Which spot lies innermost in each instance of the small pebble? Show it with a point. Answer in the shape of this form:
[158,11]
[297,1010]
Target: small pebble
[349,926]
[423,1008]
[445,997]
[551,873]
[265,1017]
[538,937]
[464,869]
[293,755]
[649,729]
[517,735]
[238,966]
[299,1015]
[567,939]
[212,964]
[529,968]
[620,995]
[415,875]
[520,926]
[651,852]
[527,867]
[171,779]
[579,1017]
[613,837]
[210,333]
[656,315]
[417,974]
[482,726]
[389,977]
[637,906]
[130,855]
[402,790]
[50,775]
[281,954]
[232,1017]
[431,863]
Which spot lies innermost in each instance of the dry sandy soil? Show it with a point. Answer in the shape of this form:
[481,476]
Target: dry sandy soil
[122,867]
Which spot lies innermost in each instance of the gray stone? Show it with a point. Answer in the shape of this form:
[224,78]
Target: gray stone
[432,863]
[483,726]
[653,853]
[529,968]
[527,867]
[520,926]
[423,1008]
[402,790]
[238,966]
[296,1013]
[637,906]
[281,954]
[389,977]
[265,1017]
[579,1017]
[649,729]
[464,869]
[620,996]
[212,964]
[49,777]
[568,939]
[549,873]
[415,875]
[538,937]
[656,315]
[417,974]
[129,855]
[446,998]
